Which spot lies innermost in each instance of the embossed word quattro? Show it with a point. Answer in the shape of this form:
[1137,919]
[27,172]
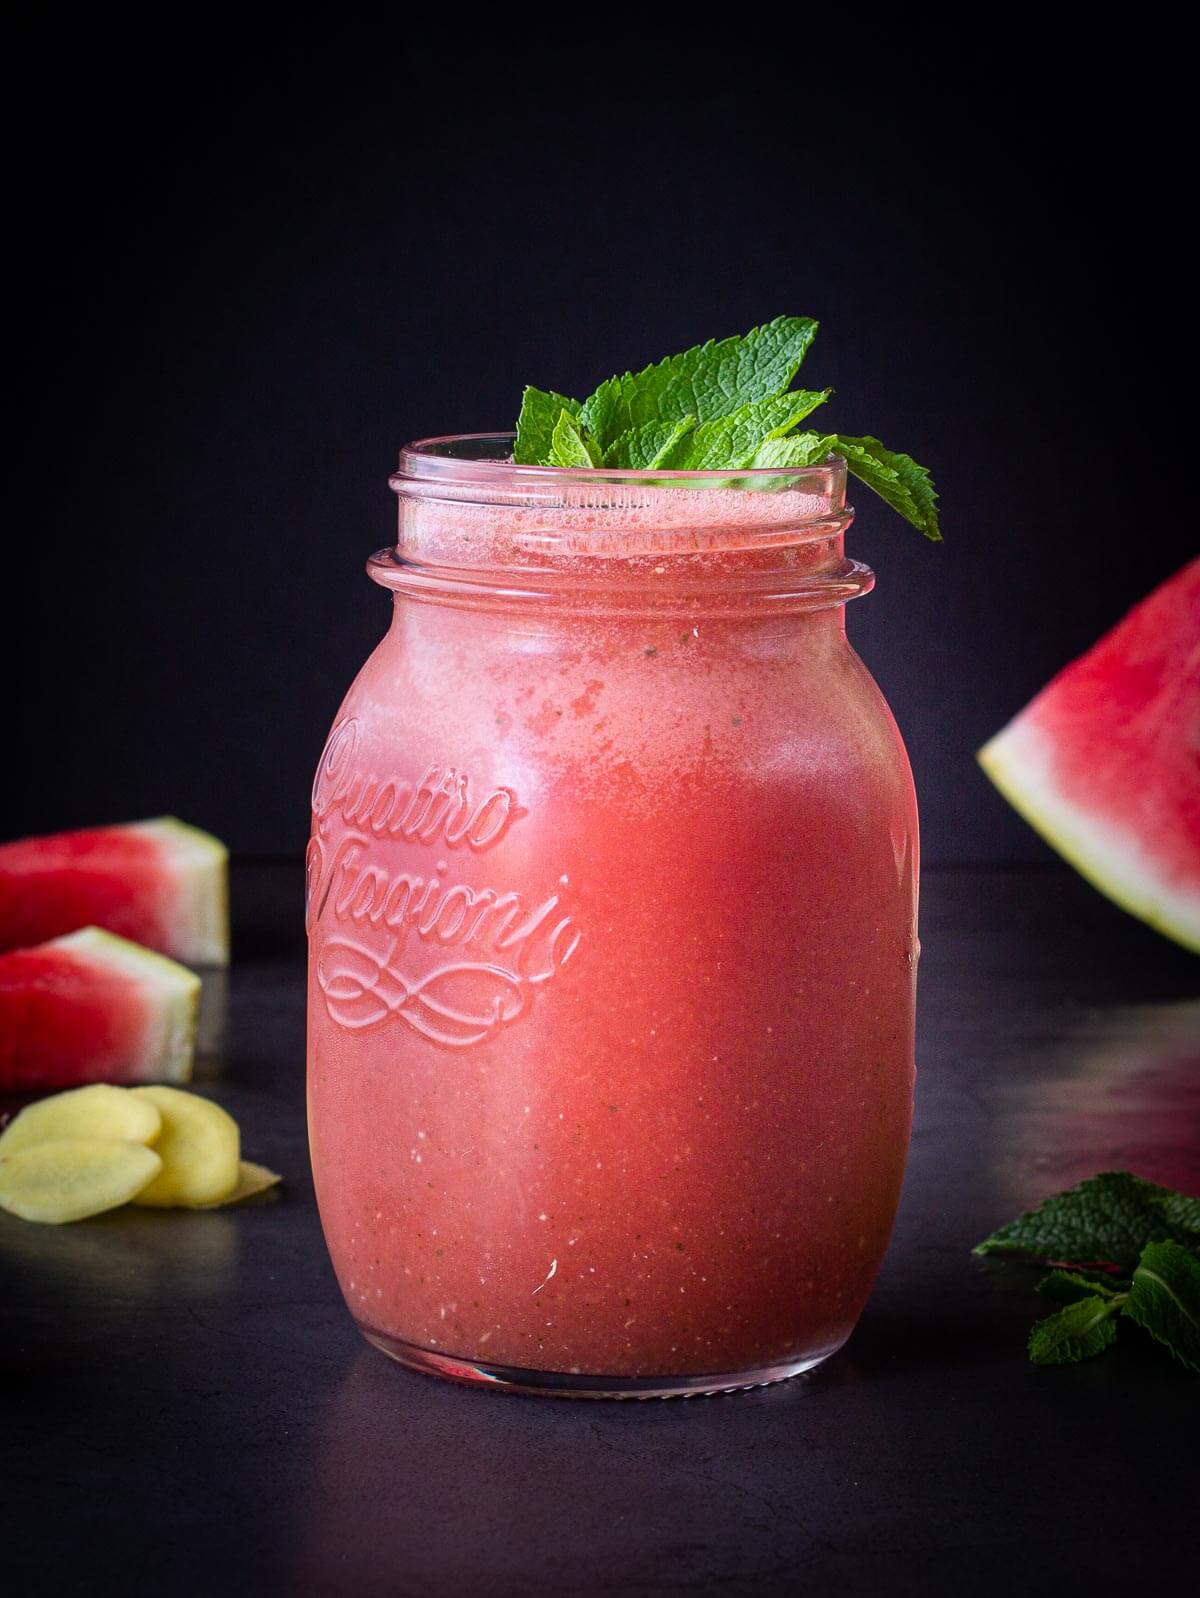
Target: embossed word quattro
[438,807]
[382,937]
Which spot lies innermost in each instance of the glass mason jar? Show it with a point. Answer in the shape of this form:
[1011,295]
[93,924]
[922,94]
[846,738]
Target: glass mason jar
[611,905]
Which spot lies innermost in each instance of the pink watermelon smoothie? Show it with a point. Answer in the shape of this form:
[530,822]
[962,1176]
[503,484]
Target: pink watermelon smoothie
[612,919]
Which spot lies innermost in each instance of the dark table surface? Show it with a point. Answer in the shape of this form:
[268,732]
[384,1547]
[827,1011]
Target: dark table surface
[187,1408]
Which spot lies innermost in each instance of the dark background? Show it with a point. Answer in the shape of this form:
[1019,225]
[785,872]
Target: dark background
[251,264]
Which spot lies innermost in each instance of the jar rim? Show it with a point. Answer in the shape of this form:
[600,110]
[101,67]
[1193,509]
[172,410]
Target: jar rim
[480,464]
[478,529]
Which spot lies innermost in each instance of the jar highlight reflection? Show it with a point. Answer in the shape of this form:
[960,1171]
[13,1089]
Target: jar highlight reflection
[612,899]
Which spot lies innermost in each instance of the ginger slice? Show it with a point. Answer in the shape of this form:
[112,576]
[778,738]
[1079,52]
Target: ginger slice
[98,1111]
[199,1145]
[252,1180]
[70,1178]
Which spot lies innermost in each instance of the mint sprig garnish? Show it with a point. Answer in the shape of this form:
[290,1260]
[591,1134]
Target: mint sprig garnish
[1164,1299]
[1068,1287]
[896,478]
[1125,1249]
[1083,1329]
[648,447]
[726,442]
[1107,1221]
[711,380]
[540,411]
[723,406]
[571,444]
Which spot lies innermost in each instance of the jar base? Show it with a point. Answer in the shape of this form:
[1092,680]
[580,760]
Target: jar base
[571,1384]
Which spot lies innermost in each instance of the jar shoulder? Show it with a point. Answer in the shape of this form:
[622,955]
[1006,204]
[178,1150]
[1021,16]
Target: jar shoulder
[751,706]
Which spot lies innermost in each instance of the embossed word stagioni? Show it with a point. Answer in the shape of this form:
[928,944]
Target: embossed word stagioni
[378,933]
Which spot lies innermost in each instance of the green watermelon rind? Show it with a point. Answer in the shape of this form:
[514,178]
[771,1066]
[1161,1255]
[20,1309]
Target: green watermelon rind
[172,988]
[1019,761]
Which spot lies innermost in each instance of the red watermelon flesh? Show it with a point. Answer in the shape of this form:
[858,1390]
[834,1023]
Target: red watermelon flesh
[92,1007]
[1105,761]
[159,883]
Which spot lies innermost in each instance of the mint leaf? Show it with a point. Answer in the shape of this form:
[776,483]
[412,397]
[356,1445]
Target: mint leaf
[1077,1332]
[711,380]
[1164,1299]
[1149,1233]
[570,443]
[648,448]
[795,452]
[729,442]
[1180,1211]
[1068,1287]
[1108,1219]
[896,478]
[723,407]
[540,410]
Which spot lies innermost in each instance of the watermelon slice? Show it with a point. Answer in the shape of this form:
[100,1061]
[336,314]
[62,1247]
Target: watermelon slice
[161,883]
[92,1007]
[1105,762]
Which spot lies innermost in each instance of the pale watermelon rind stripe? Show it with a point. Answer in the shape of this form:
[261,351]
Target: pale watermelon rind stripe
[199,866]
[1019,761]
[172,995]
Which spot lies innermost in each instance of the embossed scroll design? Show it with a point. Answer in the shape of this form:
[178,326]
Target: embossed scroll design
[363,988]
[368,968]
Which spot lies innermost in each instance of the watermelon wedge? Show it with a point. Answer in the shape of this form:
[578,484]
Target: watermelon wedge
[1105,761]
[92,1007]
[160,883]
